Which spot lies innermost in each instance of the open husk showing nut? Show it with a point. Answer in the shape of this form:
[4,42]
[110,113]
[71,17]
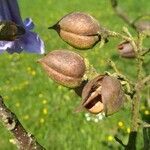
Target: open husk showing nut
[103,94]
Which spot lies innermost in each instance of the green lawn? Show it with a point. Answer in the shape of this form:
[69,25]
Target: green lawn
[47,109]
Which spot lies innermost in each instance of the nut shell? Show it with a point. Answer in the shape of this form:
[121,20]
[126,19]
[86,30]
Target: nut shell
[79,23]
[65,67]
[125,50]
[79,41]
[143,26]
[112,95]
[79,29]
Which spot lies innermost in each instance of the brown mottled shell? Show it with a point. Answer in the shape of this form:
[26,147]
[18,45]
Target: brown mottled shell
[78,29]
[65,67]
[79,41]
[143,25]
[126,50]
[91,86]
[111,95]
[79,23]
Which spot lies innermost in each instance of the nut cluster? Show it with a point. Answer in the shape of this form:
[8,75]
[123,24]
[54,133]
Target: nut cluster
[101,94]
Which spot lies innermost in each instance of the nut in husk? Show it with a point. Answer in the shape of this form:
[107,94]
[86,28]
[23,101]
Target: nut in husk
[143,25]
[126,50]
[9,31]
[65,67]
[78,29]
[103,94]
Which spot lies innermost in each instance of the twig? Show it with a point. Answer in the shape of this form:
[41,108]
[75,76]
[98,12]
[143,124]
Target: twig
[145,52]
[136,99]
[124,16]
[24,140]
[144,124]
[132,41]
[119,11]
[114,67]
[146,138]
[132,141]
[119,141]
[140,17]
[115,34]
[145,80]
[127,37]
[127,84]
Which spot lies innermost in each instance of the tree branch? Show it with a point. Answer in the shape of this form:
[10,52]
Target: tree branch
[132,141]
[145,80]
[140,17]
[127,84]
[24,140]
[146,138]
[119,141]
[124,16]
[145,52]
[114,67]
[137,97]
[121,13]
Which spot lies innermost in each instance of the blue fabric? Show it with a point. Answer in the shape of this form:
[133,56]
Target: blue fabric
[30,41]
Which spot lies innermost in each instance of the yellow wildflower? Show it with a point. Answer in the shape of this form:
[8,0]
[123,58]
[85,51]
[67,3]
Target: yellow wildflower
[26,83]
[40,95]
[17,104]
[29,69]
[128,130]
[33,73]
[142,107]
[110,138]
[42,120]
[44,101]
[120,124]
[13,141]
[45,111]
[26,117]
[146,112]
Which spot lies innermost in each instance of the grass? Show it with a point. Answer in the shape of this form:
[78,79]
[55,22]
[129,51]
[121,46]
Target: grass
[47,109]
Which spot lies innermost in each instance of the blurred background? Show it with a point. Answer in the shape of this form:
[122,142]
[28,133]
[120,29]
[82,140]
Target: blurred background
[45,108]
